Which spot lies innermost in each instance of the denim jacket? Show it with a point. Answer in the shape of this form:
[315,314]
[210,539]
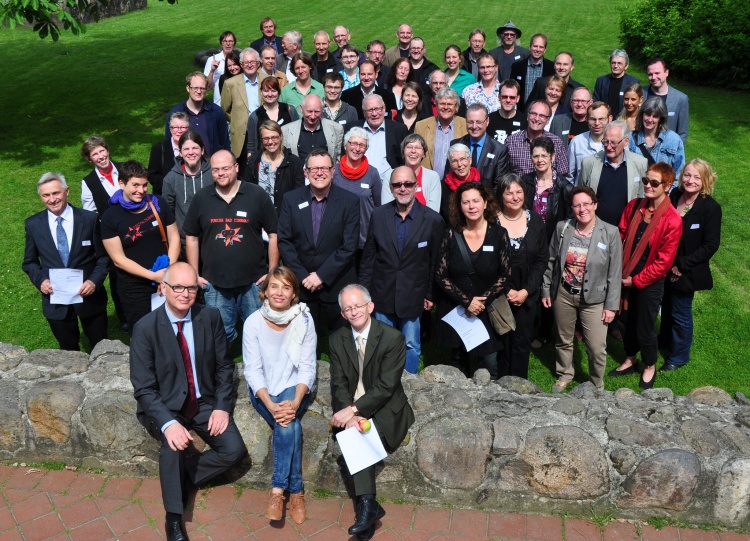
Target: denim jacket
[668,149]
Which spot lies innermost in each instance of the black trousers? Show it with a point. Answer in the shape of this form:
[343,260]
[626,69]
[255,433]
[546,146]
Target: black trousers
[514,359]
[115,296]
[640,322]
[176,468]
[67,334]
[135,299]
[328,310]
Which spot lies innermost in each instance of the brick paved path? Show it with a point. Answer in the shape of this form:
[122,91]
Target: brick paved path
[68,505]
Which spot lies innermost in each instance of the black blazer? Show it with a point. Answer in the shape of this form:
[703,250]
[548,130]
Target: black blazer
[518,74]
[258,44]
[537,93]
[701,236]
[332,258]
[601,89]
[558,201]
[86,253]
[157,371]
[395,133]
[289,175]
[399,282]
[491,169]
[354,97]
[384,399]
[160,162]
[528,263]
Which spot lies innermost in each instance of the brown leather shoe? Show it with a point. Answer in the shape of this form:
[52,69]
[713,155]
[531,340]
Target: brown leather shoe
[297,508]
[275,509]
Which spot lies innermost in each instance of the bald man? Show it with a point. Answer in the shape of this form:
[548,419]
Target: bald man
[313,132]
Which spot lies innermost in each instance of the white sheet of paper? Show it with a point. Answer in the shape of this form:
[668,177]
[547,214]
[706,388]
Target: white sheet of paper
[361,449]
[156,301]
[470,328]
[66,283]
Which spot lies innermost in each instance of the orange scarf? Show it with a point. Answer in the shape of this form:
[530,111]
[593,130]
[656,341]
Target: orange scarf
[353,173]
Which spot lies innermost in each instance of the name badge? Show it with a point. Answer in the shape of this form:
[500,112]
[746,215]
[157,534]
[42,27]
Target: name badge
[516,57]
[544,199]
[488,248]
[155,223]
[516,123]
[280,121]
[419,189]
[566,132]
[519,77]
[86,243]
[342,122]
[622,93]
[695,226]
[671,113]
[422,244]
[303,205]
[329,70]
[601,245]
[636,179]
[364,186]
[242,214]
[490,156]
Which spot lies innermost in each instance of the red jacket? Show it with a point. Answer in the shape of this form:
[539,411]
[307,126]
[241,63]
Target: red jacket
[664,243]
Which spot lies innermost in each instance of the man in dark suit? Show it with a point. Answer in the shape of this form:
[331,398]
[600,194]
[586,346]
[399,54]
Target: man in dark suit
[385,136]
[163,154]
[269,37]
[399,261]
[355,95]
[564,64]
[318,235]
[527,70]
[182,376]
[610,88]
[367,360]
[489,156]
[65,237]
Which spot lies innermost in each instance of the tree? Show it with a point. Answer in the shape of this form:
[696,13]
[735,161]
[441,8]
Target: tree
[46,16]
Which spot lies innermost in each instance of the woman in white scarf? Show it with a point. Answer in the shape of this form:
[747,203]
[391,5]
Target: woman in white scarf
[278,349]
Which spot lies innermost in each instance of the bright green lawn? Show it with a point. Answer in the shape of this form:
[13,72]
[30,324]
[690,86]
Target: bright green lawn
[121,77]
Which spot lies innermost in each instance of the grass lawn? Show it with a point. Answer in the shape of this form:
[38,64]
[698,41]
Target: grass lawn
[121,77]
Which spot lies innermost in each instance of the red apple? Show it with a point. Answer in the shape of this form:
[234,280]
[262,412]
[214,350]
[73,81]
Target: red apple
[365,425]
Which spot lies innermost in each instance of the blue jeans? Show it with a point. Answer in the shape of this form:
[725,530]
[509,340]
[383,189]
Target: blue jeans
[287,442]
[233,301]
[680,319]
[409,327]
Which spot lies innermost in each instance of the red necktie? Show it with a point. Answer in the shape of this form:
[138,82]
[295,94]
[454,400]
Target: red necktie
[190,408]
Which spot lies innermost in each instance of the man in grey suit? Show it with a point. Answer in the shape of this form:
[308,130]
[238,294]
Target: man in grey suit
[182,376]
[313,132]
[65,237]
[604,173]
[676,101]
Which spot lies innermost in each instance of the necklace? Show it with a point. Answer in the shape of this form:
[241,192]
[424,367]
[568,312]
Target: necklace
[687,205]
[586,235]
[512,219]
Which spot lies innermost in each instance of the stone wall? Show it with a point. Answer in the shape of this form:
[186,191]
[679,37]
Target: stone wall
[112,9]
[509,447]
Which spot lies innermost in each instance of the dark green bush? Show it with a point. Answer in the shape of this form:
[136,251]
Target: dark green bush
[704,41]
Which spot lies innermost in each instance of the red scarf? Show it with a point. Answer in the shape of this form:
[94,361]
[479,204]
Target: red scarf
[419,196]
[454,182]
[108,174]
[353,173]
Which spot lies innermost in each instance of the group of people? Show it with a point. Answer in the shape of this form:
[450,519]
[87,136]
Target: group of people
[364,195]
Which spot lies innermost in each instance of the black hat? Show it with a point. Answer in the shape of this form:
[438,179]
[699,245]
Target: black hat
[509,26]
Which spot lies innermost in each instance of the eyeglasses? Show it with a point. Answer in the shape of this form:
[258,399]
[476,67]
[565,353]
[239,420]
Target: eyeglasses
[509,34]
[583,206]
[250,63]
[271,139]
[322,169]
[464,159]
[654,183]
[580,102]
[332,88]
[373,110]
[374,53]
[181,289]
[399,185]
[490,67]
[227,41]
[608,143]
[539,115]
[179,128]
[197,88]
[357,145]
[351,309]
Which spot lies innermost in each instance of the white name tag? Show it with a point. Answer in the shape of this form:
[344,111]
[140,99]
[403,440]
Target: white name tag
[329,70]
[419,189]
[695,226]
[490,156]
[517,57]
[364,186]
[601,245]
[671,113]
[86,243]
[342,122]
[422,244]
[544,199]
[280,121]
[303,205]
[242,214]
[488,248]
[566,132]
[622,93]
[519,77]
[155,223]
[636,179]
[516,123]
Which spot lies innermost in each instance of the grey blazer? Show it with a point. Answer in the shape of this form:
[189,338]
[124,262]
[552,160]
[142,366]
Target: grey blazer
[677,107]
[603,264]
[333,131]
[591,172]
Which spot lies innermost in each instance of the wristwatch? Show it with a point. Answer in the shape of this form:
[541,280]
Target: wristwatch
[354,409]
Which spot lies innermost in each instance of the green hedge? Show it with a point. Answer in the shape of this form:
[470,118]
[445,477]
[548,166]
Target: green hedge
[704,41]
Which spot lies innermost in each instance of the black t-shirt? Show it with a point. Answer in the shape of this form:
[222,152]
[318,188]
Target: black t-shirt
[612,192]
[613,99]
[500,128]
[232,251]
[577,128]
[138,232]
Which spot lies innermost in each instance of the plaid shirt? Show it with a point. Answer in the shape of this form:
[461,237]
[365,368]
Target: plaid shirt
[519,150]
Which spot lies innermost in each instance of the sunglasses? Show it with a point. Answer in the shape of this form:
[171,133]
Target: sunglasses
[654,183]
[398,185]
